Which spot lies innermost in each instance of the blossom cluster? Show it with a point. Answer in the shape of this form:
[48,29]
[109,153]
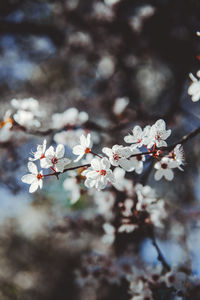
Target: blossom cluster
[99,170]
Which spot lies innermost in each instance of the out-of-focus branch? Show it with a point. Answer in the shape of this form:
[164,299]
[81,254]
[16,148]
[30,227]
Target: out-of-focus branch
[160,255]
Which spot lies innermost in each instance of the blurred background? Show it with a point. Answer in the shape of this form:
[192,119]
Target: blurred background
[124,63]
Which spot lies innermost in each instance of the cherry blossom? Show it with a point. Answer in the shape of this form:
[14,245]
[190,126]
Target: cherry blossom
[34,178]
[109,236]
[118,156]
[70,185]
[164,169]
[69,117]
[99,174]
[137,161]
[178,156]
[137,137]
[83,148]
[194,88]
[54,159]
[121,183]
[40,153]
[158,134]
[146,195]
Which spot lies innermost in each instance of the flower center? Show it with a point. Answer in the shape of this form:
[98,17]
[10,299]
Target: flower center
[87,150]
[54,160]
[39,176]
[171,279]
[164,166]
[116,156]
[139,157]
[103,172]
[42,156]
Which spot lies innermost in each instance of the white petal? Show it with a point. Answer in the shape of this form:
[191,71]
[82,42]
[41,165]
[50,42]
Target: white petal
[32,167]
[111,176]
[107,151]
[45,163]
[29,178]
[95,163]
[78,150]
[34,186]
[50,152]
[60,151]
[126,164]
[105,163]
[40,183]
[83,141]
[169,174]
[158,175]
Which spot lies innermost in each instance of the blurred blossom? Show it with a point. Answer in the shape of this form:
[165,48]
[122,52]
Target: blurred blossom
[106,67]
[142,13]
[120,105]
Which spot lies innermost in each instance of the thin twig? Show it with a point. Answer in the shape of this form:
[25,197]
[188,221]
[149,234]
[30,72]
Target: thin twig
[160,255]
[66,170]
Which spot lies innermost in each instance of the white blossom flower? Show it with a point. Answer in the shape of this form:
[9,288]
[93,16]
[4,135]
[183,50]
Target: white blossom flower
[99,174]
[40,153]
[137,161]
[127,226]
[121,183]
[118,156]
[70,185]
[164,168]
[69,137]
[83,148]
[177,155]
[34,178]
[158,134]
[26,118]
[120,105]
[194,88]
[55,159]
[104,201]
[30,104]
[109,236]
[136,138]
[146,195]
[157,213]
[175,279]
[69,117]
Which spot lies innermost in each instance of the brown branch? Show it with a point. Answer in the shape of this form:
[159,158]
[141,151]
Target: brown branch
[66,170]
[160,255]
[184,139]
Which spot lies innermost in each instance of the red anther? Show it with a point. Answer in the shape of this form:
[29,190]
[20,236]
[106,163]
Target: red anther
[42,156]
[39,176]
[116,156]
[103,172]
[54,160]
[87,150]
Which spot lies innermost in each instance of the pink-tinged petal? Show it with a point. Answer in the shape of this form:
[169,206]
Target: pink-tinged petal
[107,151]
[50,152]
[95,164]
[60,151]
[29,178]
[169,174]
[158,175]
[105,163]
[77,150]
[34,186]
[32,167]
